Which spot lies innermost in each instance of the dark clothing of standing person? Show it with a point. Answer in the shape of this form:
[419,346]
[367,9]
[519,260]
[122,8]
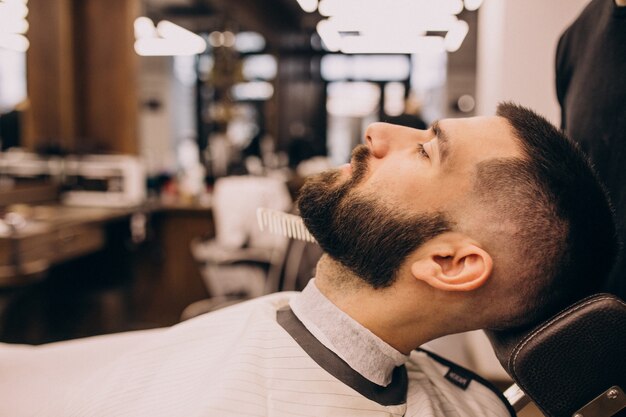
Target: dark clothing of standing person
[408,120]
[591,88]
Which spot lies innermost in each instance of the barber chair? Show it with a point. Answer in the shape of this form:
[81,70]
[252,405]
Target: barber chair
[573,364]
[241,262]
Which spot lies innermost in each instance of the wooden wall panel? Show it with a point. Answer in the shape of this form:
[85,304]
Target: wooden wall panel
[50,75]
[107,66]
[82,73]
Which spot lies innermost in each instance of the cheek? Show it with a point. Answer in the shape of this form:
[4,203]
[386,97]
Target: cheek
[409,191]
[400,185]
[389,176]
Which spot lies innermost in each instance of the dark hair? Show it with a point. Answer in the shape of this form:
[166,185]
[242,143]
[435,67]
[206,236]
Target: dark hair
[564,232]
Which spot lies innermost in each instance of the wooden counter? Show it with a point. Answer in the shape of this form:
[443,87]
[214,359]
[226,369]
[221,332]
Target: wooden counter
[166,275]
[52,234]
[94,277]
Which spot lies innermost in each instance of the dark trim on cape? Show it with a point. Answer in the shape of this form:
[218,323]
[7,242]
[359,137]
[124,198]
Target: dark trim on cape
[475,376]
[393,394]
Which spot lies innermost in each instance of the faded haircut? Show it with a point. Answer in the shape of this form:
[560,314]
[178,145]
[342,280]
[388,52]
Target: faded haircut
[562,243]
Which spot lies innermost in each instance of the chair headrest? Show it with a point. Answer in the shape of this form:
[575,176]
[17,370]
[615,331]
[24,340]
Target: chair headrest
[568,360]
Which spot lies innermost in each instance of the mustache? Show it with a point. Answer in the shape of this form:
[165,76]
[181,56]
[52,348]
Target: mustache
[360,156]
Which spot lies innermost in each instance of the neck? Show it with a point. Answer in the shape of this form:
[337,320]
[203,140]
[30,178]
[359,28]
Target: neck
[620,3]
[399,314]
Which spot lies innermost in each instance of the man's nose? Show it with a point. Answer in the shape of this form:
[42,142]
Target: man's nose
[384,138]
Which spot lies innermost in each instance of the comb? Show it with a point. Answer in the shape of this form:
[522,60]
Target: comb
[283,224]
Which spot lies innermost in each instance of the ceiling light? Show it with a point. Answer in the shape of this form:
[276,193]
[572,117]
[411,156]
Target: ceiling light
[381,10]
[13,9]
[352,25]
[14,42]
[472,4]
[404,24]
[329,34]
[164,47]
[144,28]
[174,40]
[394,98]
[466,103]
[371,45]
[337,67]
[254,90]
[249,42]
[171,31]
[456,35]
[262,67]
[308,6]
[229,39]
[352,99]
[216,39]
[13,25]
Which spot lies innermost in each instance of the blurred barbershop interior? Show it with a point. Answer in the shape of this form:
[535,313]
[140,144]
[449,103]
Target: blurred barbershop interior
[139,137]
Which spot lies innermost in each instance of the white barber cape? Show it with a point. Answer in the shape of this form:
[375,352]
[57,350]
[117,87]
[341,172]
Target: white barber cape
[252,359]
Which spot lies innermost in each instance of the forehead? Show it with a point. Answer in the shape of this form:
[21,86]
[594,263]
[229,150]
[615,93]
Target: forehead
[480,138]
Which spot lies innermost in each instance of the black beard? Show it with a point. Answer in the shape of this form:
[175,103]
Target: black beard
[361,233]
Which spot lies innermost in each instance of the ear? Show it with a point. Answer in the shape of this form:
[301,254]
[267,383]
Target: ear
[452,262]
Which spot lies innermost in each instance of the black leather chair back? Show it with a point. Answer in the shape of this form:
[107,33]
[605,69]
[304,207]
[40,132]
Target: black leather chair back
[570,359]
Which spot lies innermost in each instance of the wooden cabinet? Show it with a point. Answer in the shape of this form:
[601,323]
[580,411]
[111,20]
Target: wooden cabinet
[26,258]
[75,241]
[167,278]
[93,279]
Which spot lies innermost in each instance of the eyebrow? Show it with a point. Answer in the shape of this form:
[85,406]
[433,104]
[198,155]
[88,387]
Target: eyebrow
[443,140]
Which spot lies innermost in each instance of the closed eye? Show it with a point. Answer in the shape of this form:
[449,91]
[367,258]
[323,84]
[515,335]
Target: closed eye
[422,151]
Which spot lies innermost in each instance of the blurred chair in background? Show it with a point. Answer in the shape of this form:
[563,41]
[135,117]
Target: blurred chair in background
[299,265]
[241,262]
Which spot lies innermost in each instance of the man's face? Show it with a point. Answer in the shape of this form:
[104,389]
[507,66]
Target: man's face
[402,188]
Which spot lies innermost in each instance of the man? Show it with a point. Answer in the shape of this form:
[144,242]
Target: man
[591,88]
[476,223]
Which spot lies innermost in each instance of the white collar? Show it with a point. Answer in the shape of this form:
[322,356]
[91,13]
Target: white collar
[365,352]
